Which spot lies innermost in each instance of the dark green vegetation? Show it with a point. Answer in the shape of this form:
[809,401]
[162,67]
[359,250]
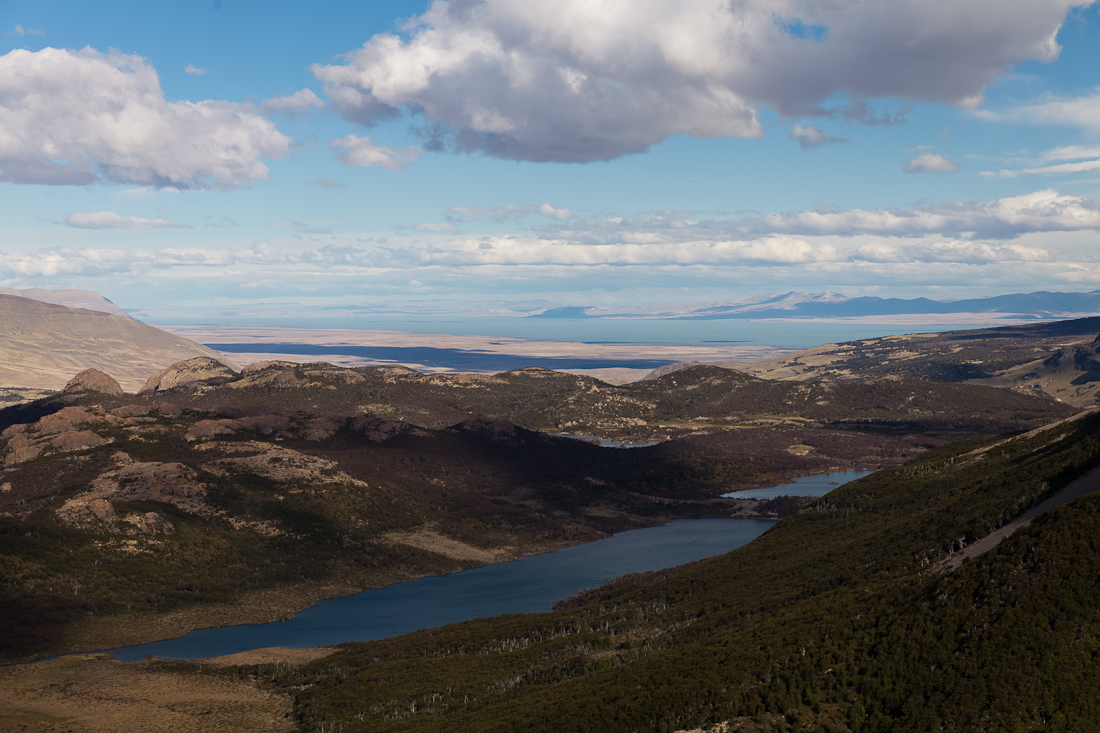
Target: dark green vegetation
[832,621]
[139,506]
[129,507]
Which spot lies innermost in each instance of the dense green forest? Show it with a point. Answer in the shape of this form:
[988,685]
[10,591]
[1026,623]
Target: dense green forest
[834,620]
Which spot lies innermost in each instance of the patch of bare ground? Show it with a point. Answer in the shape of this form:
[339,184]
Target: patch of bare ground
[1088,484]
[270,655]
[92,693]
[429,540]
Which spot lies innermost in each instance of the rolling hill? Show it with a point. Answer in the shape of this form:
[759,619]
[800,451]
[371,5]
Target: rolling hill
[42,345]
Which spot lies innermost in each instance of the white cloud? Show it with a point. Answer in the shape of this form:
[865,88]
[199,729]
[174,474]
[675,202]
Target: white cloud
[573,80]
[811,137]
[302,100]
[192,69]
[21,31]
[360,152]
[930,163]
[1065,152]
[1061,111]
[75,117]
[111,220]
[950,251]
[440,227]
[1040,211]
[501,214]
[560,213]
[92,262]
[1046,170]
[1070,152]
[879,252]
[323,182]
[975,252]
[533,251]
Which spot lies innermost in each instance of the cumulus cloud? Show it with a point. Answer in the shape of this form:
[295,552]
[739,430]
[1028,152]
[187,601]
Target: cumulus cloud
[572,80]
[811,137]
[77,117]
[501,214]
[302,100]
[930,163]
[192,69]
[111,220]
[360,152]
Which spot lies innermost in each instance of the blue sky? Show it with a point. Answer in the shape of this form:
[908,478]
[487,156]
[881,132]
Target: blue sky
[181,153]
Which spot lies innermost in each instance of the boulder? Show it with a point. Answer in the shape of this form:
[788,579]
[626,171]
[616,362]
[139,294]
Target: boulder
[93,380]
[199,369]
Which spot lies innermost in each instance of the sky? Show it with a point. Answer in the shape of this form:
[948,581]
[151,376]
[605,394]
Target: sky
[185,154]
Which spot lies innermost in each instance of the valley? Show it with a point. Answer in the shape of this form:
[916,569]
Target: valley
[214,496]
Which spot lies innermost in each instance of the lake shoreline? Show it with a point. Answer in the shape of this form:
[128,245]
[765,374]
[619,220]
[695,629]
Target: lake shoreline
[283,603]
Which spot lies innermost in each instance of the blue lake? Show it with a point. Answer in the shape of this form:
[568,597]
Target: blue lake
[818,484]
[530,584]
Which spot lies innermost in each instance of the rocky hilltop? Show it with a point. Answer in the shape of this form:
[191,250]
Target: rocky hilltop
[43,344]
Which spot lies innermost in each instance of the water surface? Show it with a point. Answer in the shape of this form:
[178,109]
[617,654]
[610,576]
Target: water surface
[817,484]
[530,584]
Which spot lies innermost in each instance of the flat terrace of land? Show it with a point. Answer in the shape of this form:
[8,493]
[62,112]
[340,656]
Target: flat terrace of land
[441,353]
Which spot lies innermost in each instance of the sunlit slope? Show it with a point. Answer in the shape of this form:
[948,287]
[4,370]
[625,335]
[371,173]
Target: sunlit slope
[832,621]
[43,345]
[1057,358]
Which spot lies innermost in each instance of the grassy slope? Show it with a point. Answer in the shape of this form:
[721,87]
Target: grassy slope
[830,621]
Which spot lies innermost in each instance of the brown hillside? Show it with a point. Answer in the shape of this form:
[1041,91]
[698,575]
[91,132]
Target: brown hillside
[42,345]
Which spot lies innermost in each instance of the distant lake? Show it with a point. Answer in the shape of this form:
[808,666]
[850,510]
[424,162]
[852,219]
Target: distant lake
[818,484]
[530,584]
[782,334]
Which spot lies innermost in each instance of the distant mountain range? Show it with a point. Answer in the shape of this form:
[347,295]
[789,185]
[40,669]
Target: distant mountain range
[1018,306]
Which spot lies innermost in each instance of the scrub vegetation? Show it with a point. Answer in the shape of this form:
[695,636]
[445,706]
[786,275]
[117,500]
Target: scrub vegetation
[834,620]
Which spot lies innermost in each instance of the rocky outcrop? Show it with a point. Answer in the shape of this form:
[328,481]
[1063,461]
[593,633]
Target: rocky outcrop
[167,483]
[93,380]
[64,431]
[199,369]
